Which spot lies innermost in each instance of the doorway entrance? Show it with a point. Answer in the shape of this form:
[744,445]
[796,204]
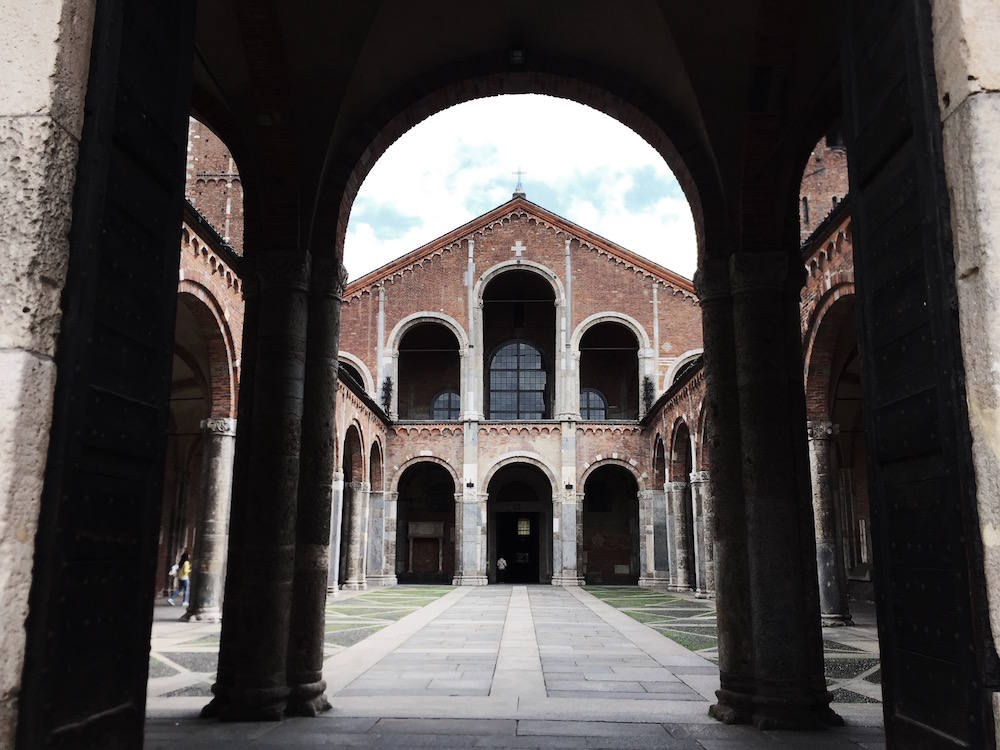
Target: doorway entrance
[519,514]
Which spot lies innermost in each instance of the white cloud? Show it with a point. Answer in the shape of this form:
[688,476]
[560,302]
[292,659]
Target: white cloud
[579,163]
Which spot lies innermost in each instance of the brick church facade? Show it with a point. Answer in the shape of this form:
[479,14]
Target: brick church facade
[519,400]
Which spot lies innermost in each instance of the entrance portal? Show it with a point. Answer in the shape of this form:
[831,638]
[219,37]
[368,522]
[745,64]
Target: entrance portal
[520,515]
[611,527]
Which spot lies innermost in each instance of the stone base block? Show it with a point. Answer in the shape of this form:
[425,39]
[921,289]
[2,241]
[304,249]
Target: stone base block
[703,594]
[381,581]
[568,580]
[835,621]
[354,585]
[653,582]
[462,580]
[208,614]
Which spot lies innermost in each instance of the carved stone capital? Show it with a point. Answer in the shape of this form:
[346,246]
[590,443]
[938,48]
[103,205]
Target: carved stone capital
[753,273]
[288,270]
[821,429]
[676,486]
[711,280]
[699,477]
[329,277]
[219,426]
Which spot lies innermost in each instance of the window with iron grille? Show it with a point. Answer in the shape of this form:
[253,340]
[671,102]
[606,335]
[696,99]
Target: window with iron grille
[592,404]
[517,382]
[446,405]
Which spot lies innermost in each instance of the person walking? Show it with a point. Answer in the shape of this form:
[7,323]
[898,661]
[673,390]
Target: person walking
[183,579]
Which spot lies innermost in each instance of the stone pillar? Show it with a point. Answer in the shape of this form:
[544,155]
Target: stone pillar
[679,494]
[652,568]
[671,529]
[833,606]
[567,574]
[218,449]
[357,532]
[470,543]
[382,545]
[266,562]
[789,684]
[312,531]
[733,622]
[702,493]
[336,525]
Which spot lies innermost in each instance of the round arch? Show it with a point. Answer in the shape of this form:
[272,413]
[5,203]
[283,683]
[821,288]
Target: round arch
[834,311]
[681,431]
[398,474]
[678,364]
[610,462]
[659,454]
[360,471]
[641,337]
[520,264]
[376,467]
[523,457]
[219,343]
[428,316]
[362,368]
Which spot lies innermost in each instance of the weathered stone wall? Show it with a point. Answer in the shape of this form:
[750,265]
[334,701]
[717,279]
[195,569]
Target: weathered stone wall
[46,57]
[967,66]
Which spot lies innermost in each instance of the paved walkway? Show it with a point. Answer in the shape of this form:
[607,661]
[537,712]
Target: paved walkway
[510,666]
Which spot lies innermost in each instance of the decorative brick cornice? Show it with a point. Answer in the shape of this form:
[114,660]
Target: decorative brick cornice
[521,208]
[515,428]
[442,429]
[608,429]
[214,262]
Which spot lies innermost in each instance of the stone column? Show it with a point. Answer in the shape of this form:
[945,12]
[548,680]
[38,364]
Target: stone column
[377,573]
[356,537]
[789,684]
[661,558]
[568,574]
[264,595]
[833,606]
[470,552]
[382,564]
[218,448]
[336,525]
[733,622]
[680,501]
[651,563]
[315,497]
[702,493]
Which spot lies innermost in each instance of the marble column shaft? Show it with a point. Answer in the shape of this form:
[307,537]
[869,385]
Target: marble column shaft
[470,552]
[218,446]
[733,621]
[336,525]
[264,597]
[385,558]
[833,606]
[789,684]
[315,495]
[679,494]
[702,492]
[652,530]
[357,532]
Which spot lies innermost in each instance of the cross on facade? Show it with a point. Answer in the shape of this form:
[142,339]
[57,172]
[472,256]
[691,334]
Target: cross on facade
[517,248]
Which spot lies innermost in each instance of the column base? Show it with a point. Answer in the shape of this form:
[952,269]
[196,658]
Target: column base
[703,594]
[354,585]
[678,587]
[382,581]
[794,713]
[568,579]
[653,582]
[835,620]
[466,580]
[734,707]
[308,700]
[255,704]
[206,614]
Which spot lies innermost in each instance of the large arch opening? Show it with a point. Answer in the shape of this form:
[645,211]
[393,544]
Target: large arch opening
[429,374]
[682,514]
[352,465]
[425,524]
[519,512]
[519,345]
[609,372]
[610,553]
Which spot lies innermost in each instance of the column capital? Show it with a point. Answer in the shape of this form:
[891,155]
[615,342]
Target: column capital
[711,280]
[821,429]
[219,426]
[751,273]
[288,270]
[676,486]
[328,277]
[645,493]
[699,477]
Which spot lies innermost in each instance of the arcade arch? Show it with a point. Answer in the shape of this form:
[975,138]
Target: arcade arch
[610,551]
[425,525]
[519,517]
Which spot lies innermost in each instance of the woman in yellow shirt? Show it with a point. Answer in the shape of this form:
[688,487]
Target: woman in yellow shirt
[183,579]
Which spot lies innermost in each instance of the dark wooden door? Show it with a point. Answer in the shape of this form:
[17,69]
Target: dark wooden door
[938,663]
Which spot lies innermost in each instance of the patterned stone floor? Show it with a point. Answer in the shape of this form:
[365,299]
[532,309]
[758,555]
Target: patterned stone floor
[184,655]
[850,653]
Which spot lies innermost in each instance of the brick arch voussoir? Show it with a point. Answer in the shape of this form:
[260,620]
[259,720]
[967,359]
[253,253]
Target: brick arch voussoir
[219,342]
[417,460]
[603,90]
[680,430]
[830,315]
[358,467]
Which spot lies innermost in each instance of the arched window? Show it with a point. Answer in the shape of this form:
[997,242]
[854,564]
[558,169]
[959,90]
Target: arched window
[592,404]
[517,382]
[445,405]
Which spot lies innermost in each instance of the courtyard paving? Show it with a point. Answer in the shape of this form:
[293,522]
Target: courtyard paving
[507,666]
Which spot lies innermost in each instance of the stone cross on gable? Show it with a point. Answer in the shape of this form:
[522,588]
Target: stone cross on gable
[517,248]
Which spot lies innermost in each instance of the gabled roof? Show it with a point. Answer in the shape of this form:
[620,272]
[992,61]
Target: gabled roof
[519,203]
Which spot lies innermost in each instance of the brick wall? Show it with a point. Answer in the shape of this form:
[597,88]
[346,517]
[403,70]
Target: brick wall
[213,184]
[824,185]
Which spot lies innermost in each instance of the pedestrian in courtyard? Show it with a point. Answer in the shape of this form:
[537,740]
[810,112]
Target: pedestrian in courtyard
[183,579]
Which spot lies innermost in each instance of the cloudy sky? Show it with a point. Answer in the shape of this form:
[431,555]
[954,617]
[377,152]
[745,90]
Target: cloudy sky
[578,163]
